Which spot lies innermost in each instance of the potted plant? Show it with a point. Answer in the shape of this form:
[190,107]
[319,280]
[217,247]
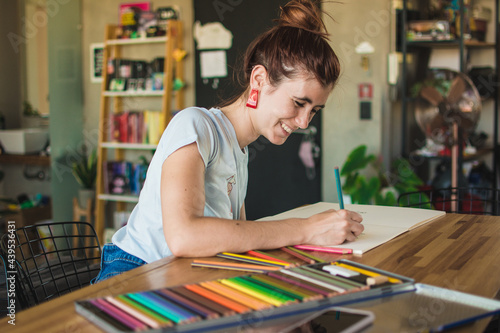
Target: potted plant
[85,172]
[367,183]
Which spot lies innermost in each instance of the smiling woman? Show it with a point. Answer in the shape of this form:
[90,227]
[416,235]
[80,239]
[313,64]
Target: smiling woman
[283,108]
[192,202]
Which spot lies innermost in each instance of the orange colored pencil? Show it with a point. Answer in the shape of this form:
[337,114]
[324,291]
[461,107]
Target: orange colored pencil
[268,257]
[236,295]
[238,307]
[236,265]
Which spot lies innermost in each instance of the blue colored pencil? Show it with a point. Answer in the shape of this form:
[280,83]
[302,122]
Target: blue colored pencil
[171,306]
[339,188]
[166,311]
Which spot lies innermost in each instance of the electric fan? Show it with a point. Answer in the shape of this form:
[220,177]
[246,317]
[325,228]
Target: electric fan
[447,110]
[447,99]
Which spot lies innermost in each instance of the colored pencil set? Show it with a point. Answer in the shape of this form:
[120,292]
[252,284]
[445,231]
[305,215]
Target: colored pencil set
[258,261]
[241,295]
[252,261]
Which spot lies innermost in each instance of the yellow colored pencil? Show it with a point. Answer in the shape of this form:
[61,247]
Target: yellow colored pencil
[252,293]
[366,272]
[234,266]
[255,259]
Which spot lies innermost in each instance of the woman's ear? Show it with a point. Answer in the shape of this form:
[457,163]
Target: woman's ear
[258,78]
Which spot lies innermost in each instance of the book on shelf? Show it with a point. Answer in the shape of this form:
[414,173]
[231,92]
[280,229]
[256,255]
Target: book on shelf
[154,128]
[136,127]
[124,177]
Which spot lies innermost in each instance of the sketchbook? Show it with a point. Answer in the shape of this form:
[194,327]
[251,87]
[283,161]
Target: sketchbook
[382,223]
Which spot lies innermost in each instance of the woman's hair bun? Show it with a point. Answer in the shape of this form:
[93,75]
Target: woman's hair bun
[302,14]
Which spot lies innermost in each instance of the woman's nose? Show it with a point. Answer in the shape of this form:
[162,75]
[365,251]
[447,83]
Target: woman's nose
[302,119]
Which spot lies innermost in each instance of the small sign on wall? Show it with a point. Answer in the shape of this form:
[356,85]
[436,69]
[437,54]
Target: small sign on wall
[365,91]
[96,62]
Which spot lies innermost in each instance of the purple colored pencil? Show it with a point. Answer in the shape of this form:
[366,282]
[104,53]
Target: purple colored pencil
[172,307]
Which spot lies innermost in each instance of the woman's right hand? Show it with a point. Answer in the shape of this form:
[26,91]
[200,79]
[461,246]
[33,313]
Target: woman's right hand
[334,227]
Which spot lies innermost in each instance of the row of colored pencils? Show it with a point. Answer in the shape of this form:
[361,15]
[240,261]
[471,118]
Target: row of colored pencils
[258,261]
[194,302]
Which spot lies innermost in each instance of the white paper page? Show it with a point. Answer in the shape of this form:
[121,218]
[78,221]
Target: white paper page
[382,223]
[372,236]
[400,217]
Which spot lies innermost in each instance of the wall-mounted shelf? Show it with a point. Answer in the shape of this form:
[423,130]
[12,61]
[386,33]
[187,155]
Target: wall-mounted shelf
[450,43]
[466,157]
[118,198]
[149,93]
[136,41]
[134,146]
[25,159]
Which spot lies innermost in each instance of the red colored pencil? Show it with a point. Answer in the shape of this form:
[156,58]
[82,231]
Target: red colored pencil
[268,257]
[297,255]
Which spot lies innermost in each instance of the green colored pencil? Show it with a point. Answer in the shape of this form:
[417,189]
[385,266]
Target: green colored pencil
[274,288]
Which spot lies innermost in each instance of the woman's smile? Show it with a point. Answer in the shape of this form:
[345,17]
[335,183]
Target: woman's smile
[286,129]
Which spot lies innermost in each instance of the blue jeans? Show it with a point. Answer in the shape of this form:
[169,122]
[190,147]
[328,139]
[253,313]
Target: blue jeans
[115,261]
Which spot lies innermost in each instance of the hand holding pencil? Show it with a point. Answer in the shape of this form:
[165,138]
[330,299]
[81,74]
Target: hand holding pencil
[334,227]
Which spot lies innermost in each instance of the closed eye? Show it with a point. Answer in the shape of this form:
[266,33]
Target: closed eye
[300,105]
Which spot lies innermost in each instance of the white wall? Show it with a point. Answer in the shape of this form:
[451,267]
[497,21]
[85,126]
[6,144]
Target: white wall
[343,130]
[12,96]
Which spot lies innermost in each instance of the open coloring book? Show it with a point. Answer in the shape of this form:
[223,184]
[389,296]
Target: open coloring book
[382,223]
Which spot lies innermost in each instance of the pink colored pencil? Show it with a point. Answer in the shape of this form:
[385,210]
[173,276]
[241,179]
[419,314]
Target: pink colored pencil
[133,312]
[119,315]
[335,250]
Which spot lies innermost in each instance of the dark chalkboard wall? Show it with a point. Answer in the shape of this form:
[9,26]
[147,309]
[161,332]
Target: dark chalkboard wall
[277,176]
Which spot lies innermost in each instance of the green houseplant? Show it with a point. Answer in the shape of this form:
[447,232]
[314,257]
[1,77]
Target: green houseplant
[367,183]
[85,172]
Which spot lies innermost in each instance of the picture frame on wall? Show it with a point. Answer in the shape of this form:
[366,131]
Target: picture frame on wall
[96,62]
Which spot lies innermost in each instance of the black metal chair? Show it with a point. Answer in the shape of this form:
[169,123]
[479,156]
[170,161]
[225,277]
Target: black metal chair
[461,200]
[4,295]
[52,259]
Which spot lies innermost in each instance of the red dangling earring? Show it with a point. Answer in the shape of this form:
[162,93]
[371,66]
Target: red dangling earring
[253,98]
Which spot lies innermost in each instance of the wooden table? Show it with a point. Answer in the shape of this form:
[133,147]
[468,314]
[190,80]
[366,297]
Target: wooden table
[460,252]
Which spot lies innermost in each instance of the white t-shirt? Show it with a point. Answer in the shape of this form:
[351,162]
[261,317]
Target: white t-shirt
[226,178]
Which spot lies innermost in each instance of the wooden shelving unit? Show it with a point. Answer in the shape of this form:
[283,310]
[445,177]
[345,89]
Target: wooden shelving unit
[113,101]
